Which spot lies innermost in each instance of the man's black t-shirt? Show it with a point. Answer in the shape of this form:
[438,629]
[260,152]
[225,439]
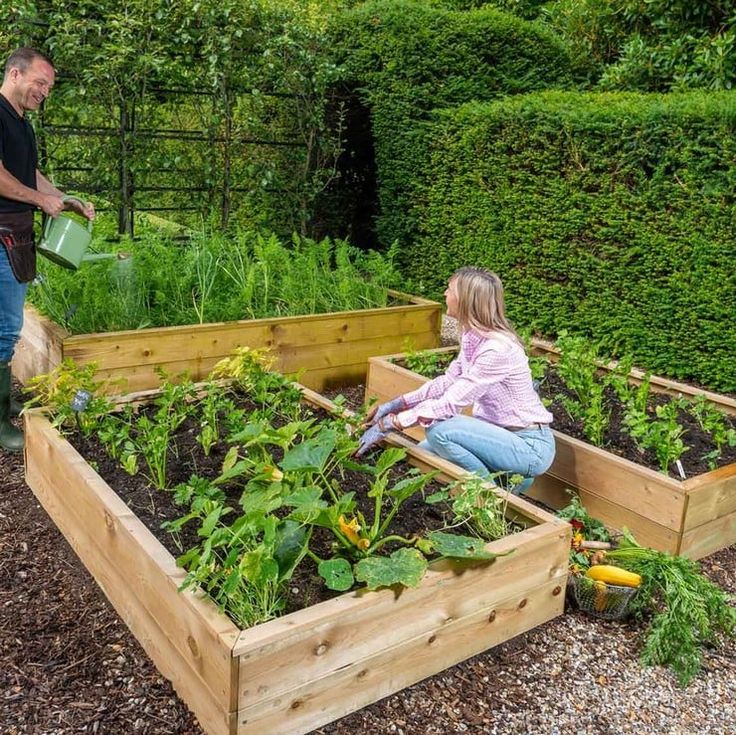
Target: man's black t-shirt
[17,152]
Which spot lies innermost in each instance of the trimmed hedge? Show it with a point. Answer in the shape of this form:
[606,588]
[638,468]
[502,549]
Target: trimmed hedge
[405,58]
[611,215]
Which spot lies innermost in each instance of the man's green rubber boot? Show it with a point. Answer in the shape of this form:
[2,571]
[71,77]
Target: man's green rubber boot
[11,439]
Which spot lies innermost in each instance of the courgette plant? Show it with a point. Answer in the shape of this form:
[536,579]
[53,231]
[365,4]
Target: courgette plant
[280,486]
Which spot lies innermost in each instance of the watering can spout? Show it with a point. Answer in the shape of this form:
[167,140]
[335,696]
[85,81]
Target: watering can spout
[94,257]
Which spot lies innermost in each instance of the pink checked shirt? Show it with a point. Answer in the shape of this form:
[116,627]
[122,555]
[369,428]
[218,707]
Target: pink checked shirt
[492,374]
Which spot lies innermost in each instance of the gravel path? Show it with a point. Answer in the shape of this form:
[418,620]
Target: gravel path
[68,665]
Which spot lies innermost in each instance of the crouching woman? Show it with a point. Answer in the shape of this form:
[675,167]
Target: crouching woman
[508,431]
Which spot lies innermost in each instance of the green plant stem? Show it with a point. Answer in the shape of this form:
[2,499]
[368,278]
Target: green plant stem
[386,539]
[313,556]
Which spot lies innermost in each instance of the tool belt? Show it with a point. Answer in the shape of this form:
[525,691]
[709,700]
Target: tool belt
[16,235]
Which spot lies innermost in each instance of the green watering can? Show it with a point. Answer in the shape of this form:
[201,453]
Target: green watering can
[65,241]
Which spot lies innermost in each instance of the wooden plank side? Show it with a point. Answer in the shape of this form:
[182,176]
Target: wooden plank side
[39,349]
[365,680]
[623,483]
[339,365]
[645,530]
[186,637]
[332,378]
[710,496]
[202,341]
[356,627]
[712,536]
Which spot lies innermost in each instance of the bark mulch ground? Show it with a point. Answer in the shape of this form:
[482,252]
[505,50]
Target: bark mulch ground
[69,665]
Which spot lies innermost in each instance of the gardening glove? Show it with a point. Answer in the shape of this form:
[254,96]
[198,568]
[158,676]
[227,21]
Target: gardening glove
[375,434]
[384,409]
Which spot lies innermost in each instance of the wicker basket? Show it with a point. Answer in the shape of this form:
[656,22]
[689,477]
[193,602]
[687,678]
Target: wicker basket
[601,600]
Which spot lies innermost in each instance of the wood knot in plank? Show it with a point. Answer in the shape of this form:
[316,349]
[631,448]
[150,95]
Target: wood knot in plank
[193,647]
[321,649]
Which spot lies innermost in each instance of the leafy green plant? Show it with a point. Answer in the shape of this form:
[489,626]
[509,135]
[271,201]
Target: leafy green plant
[212,403]
[359,537]
[476,504]
[713,421]
[690,612]
[578,367]
[243,566]
[428,363]
[215,277]
[57,389]
[662,435]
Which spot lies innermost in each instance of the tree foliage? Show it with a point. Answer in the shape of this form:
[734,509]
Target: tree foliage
[200,95]
[657,45]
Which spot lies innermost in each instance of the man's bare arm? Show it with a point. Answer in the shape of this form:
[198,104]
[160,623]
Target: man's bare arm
[46,187]
[11,188]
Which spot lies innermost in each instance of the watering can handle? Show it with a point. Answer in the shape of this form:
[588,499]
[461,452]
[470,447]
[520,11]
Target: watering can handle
[77,199]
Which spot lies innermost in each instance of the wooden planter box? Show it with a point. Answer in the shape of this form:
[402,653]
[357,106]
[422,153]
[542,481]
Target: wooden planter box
[694,517]
[325,349]
[293,674]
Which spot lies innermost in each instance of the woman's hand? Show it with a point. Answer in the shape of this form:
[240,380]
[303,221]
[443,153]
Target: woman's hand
[384,409]
[376,433]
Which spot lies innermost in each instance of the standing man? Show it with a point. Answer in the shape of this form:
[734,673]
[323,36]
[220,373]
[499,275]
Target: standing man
[29,77]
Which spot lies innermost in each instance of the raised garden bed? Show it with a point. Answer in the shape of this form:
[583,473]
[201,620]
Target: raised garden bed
[692,517]
[324,349]
[297,672]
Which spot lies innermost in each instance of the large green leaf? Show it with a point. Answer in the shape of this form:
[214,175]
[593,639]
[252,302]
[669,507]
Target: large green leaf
[291,545]
[232,580]
[213,517]
[337,574]
[407,486]
[329,516]
[389,457]
[259,567]
[259,498]
[405,566]
[306,500]
[250,432]
[461,547]
[310,454]
[232,470]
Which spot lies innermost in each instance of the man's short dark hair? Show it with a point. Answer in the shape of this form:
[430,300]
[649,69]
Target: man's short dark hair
[23,57]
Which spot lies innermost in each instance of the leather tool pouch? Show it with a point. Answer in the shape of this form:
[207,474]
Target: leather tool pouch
[16,235]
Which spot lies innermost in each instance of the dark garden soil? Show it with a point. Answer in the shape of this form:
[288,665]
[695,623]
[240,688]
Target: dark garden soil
[617,441]
[155,507]
[68,665]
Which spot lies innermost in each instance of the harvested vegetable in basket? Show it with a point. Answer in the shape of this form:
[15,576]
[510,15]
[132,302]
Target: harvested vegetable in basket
[689,610]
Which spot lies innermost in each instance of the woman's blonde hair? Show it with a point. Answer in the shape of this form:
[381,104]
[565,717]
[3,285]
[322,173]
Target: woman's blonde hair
[480,302]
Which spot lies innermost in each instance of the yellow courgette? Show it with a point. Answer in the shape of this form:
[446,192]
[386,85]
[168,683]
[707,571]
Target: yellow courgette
[613,575]
[600,598]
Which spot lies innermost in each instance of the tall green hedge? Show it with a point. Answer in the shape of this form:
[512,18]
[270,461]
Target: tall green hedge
[611,215]
[405,58]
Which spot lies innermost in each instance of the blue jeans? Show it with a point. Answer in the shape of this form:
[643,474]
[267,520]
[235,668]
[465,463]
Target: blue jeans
[484,448]
[12,298]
